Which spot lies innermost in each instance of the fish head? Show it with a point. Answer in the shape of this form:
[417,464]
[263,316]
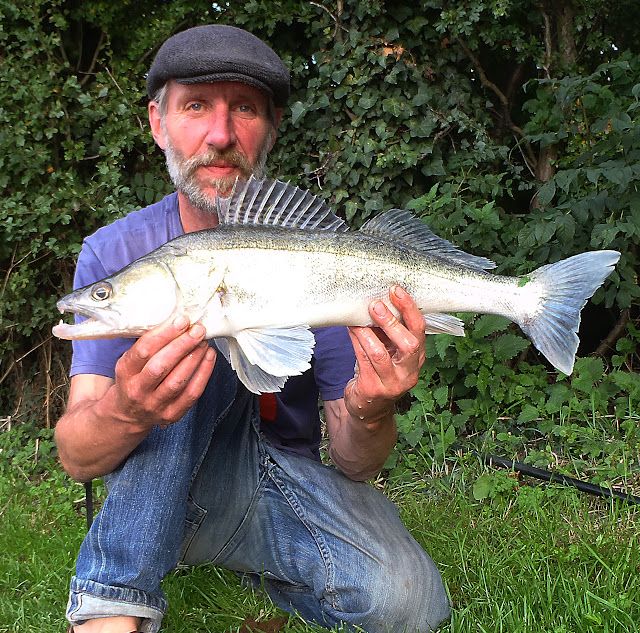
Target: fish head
[127,304]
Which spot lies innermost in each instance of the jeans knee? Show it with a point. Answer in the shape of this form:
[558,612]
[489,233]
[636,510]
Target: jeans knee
[415,599]
[405,594]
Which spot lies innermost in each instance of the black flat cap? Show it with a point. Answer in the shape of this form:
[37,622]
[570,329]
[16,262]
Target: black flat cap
[217,52]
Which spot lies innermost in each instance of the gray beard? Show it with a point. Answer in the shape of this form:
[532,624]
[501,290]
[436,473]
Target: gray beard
[182,173]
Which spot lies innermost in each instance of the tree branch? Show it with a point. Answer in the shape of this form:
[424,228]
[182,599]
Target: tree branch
[336,19]
[506,104]
[616,333]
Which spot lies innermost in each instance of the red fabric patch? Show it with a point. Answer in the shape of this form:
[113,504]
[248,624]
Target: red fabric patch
[268,406]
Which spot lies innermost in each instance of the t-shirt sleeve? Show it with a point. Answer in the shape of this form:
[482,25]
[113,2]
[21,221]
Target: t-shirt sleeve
[95,356]
[334,361]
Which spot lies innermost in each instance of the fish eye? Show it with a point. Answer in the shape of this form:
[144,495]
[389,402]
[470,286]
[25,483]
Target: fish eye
[101,291]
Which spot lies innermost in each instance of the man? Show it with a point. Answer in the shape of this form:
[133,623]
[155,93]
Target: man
[197,470]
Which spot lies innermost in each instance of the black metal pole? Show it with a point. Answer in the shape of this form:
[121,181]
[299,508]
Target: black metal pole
[546,475]
[88,493]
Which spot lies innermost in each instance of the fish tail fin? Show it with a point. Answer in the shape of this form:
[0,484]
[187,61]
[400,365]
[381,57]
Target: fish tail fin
[565,288]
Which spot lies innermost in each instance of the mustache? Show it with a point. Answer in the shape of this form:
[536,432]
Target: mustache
[229,156]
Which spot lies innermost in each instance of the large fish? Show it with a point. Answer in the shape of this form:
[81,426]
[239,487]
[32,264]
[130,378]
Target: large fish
[280,263]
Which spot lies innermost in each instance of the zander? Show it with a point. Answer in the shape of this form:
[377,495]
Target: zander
[280,263]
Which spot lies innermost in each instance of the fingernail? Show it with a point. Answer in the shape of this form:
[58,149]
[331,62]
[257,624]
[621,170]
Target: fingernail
[180,323]
[379,308]
[399,292]
[197,331]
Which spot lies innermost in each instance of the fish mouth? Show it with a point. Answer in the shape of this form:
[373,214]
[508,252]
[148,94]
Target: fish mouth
[94,325]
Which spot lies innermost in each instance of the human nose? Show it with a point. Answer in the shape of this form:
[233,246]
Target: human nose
[220,132]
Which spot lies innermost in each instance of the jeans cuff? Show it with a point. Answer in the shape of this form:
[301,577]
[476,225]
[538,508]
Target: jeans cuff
[89,600]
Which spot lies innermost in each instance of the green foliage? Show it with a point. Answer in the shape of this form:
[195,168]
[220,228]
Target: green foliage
[450,109]
[522,558]
[595,191]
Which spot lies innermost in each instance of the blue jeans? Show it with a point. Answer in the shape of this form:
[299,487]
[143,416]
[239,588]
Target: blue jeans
[209,488]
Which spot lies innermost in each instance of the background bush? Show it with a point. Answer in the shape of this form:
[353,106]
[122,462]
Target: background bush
[510,126]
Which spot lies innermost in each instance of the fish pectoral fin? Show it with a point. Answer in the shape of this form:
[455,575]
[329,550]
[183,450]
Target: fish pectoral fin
[443,324]
[264,358]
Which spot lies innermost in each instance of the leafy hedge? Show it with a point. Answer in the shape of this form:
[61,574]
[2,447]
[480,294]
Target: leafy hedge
[510,127]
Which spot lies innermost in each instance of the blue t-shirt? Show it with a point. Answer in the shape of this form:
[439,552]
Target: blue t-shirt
[290,418]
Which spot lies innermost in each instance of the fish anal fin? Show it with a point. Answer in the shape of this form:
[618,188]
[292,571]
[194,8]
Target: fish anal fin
[443,324]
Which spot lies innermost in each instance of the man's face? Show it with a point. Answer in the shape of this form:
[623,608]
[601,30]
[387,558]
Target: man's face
[213,134]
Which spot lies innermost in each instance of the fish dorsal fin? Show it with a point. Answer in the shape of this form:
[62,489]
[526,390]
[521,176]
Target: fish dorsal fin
[276,203]
[402,227]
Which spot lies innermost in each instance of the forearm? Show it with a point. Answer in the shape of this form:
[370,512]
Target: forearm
[93,441]
[361,436]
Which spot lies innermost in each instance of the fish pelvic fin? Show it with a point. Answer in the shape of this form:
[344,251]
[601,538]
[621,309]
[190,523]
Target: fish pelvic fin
[402,227]
[276,203]
[567,285]
[265,358]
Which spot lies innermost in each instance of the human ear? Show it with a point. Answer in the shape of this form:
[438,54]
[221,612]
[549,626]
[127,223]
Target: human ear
[155,120]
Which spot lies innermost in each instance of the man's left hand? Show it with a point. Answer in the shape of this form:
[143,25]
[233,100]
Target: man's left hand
[389,356]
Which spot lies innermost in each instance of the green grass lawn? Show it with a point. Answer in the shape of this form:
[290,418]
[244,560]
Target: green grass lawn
[529,557]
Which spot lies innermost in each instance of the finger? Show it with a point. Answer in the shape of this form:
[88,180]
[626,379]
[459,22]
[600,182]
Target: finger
[167,358]
[373,359]
[411,315]
[135,358]
[177,379]
[406,343]
[186,383]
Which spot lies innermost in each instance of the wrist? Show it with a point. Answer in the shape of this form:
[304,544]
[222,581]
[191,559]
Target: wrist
[108,408]
[371,410]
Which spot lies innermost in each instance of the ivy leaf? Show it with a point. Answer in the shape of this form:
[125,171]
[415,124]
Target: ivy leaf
[367,102]
[393,106]
[298,110]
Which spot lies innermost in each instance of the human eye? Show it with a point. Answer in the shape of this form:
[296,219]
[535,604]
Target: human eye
[245,109]
[194,106]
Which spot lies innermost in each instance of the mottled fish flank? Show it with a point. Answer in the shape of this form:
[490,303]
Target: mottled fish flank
[281,262]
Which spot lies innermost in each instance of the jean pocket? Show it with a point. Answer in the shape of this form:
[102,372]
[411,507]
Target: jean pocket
[194,518]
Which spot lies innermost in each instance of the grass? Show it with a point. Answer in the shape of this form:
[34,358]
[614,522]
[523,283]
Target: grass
[516,555]
[527,558]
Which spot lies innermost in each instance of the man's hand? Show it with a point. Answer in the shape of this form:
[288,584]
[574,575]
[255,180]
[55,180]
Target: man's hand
[157,381]
[389,356]
[388,359]
[163,374]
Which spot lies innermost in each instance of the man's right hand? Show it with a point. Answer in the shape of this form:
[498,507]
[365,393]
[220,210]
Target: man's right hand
[162,376]
[157,381]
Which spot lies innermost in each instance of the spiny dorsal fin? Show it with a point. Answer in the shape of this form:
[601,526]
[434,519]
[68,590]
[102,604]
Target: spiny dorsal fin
[276,203]
[402,227]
